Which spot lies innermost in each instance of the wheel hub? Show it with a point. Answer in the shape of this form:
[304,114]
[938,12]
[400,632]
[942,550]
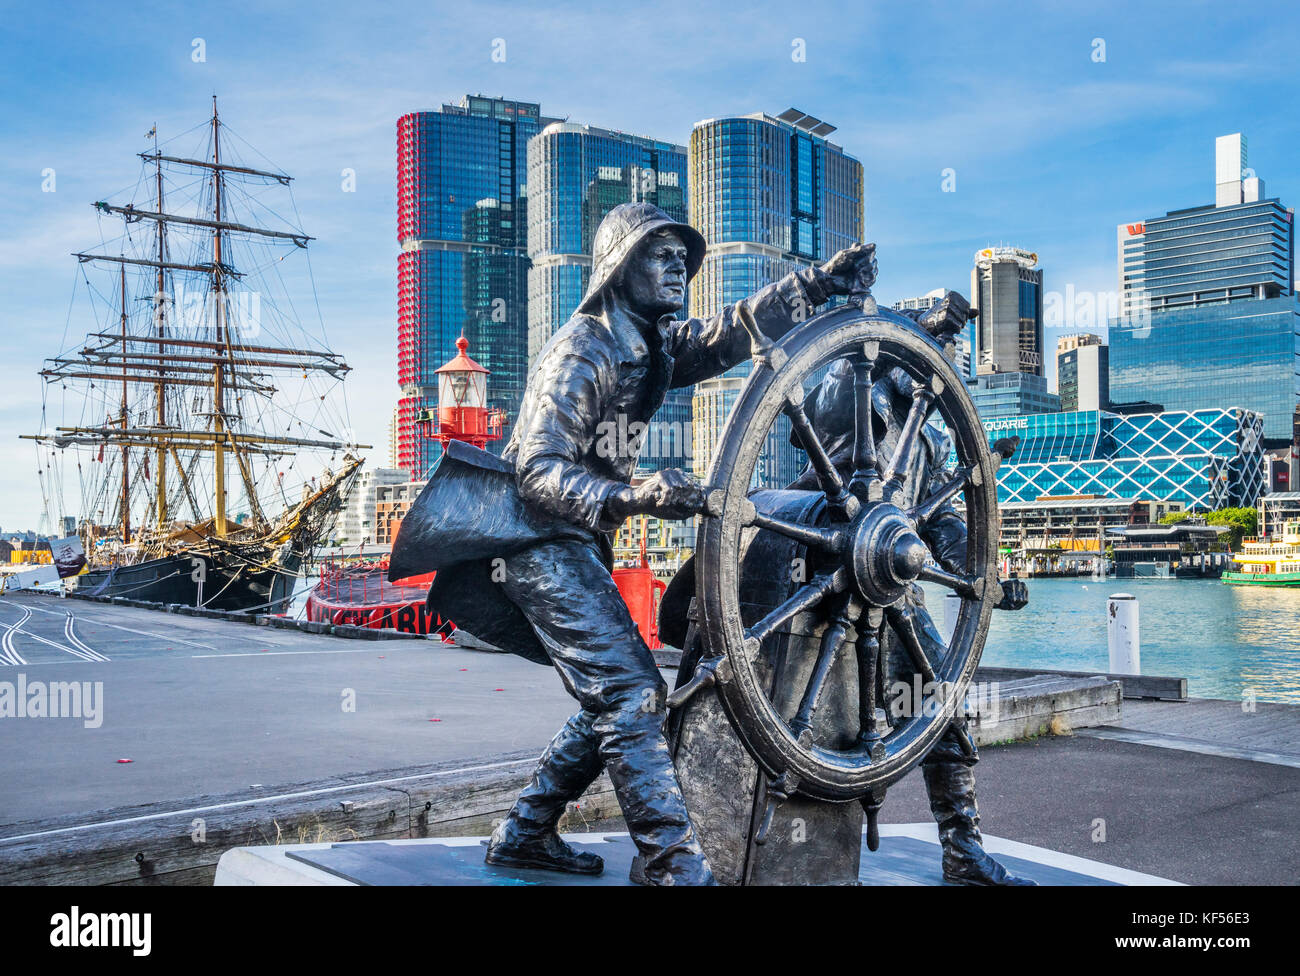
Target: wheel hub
[884,553]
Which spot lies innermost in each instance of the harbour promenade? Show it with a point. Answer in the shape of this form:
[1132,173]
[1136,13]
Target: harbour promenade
[239,734]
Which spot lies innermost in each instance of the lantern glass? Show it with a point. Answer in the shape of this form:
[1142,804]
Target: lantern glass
[462,388]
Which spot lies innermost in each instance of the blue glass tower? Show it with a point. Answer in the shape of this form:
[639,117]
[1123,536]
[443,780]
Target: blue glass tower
[463,266]
[770,195]
[1209,317]
[576,175]
[1011,394]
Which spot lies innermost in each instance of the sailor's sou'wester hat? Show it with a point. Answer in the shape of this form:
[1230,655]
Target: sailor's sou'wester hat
[623,228]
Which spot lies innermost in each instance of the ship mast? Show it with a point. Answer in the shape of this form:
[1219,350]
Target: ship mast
[167,358]
[126,471]
[218,377]
[159,314]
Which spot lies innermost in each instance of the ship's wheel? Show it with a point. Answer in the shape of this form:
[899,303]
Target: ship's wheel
[869,550]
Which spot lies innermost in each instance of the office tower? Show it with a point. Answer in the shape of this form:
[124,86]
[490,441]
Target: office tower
[1007,289]
[922,303]
[576,175]
[771,195]
[463,266]
[1011,394]
[1209,316]
[356,525]
[1083,372]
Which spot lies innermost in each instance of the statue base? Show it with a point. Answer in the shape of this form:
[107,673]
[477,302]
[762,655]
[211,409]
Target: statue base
[909,855]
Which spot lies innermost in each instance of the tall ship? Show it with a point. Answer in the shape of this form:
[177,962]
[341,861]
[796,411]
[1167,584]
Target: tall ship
[199,419]
[1270,561]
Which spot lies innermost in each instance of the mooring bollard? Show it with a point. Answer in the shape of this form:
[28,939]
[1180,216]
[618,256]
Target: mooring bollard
[951,607]
[1122,632]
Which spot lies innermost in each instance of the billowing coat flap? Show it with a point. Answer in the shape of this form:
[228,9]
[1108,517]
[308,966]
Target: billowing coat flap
[470,510]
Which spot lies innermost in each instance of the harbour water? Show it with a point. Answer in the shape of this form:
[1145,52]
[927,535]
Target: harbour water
[1226,640]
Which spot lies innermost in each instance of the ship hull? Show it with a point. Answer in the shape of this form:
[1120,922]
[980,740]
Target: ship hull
[363,597]
[1263,579]
[171,579]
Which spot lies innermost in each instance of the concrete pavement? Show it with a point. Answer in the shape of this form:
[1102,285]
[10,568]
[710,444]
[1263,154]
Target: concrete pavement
[206,707]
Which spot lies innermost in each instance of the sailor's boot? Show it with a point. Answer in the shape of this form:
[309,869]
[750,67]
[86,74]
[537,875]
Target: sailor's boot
[951,786]
[527,837]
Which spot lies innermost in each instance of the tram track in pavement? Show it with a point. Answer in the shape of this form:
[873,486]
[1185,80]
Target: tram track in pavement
[8,652]
[75,646]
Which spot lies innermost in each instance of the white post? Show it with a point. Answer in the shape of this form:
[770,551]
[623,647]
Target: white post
[1122,632]
[951,607]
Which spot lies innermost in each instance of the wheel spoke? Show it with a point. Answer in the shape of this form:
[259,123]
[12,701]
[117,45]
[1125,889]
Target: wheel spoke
[832,640]
[930,507]
[868,654]
[902,459]
[903,619]
[829,479]
[864,435]
[805,598]
[967,586]
[827,540]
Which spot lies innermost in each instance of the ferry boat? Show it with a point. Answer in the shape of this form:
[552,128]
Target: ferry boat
[1270,561]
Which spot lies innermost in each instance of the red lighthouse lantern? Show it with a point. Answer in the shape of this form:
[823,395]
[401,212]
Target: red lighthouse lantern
[463,411]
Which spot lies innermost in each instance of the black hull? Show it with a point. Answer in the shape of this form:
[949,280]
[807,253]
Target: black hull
[171,580]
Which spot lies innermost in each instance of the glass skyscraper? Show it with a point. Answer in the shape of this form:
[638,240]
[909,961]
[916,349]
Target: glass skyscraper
[463,266]
[1207,255]
[770,195]
[1011,394]
[576,175]
[1209,311]
[1243,353]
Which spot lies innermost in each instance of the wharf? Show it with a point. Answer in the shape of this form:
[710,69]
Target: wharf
[241,734]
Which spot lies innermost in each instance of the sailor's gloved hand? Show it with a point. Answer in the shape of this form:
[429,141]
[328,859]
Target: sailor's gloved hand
[1015,595]
[668,494]
[853,270]
[947,318]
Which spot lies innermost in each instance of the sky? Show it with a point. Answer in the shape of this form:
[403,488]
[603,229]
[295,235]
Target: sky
[1037,125]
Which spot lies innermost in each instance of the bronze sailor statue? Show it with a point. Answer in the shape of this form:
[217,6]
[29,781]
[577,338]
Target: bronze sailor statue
[522,543]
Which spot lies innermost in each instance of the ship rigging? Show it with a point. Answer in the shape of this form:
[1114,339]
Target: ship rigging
[200,375]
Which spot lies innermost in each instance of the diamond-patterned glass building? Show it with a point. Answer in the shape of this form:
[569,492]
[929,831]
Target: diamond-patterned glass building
[1205,459]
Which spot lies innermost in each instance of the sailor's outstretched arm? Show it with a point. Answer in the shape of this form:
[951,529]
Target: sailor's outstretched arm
[708,347]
